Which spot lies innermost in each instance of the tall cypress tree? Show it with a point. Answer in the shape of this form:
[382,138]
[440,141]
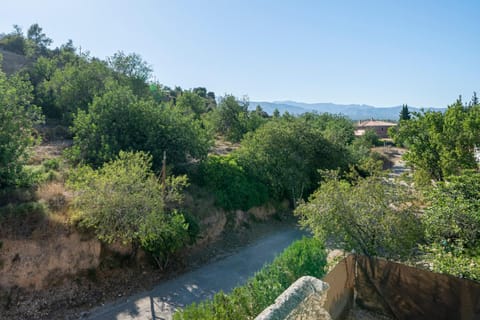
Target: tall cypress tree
[405,114]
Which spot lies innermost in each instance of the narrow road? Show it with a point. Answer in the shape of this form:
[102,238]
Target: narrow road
[200,284]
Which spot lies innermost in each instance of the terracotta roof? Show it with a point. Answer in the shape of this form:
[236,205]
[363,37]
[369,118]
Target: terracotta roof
[373,123]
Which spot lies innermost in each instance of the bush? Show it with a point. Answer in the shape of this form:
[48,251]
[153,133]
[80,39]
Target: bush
[118,120]
[232,187]
[304,257]
[454,261]
[124,201]
[370,215]
[17,119]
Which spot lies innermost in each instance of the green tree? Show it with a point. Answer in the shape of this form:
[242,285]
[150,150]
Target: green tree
[133,71]
[230,118]
[452,224]
[73,87]
[285,153]
[191,103]
[474,101]
[276,113]
[17,119]
[15,42]
[337,129]
[372,216]
[123,201]
[39,39]
[119,120]
[130,65]
[404,113]
[453,214]
[232,187]
[441,144]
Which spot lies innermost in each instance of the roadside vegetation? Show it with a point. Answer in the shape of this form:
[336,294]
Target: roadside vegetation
[303,257]
[113,180]
[135,146]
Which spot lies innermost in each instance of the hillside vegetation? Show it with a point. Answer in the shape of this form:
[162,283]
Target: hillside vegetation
[136,149]
[123,124]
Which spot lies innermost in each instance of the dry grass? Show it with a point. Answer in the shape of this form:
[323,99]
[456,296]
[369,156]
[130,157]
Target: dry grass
[50,150]
[54,195]
[223,147]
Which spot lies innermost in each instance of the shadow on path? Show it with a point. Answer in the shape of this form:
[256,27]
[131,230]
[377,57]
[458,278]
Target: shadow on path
[200,284]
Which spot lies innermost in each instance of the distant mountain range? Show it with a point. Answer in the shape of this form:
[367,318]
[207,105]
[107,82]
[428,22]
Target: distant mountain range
[352,111]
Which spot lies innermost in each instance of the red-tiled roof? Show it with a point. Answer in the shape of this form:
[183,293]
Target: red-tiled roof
[373,123]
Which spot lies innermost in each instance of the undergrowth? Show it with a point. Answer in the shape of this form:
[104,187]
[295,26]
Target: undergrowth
[303,257]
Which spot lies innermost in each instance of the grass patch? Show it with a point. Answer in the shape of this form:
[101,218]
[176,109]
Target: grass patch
[303,257]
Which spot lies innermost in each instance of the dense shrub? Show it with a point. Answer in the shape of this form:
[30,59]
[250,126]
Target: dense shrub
[285,155]
[370,215]
[304,257]
[232,187]
[124,201]
[452,226]
[17,120]
[118,120]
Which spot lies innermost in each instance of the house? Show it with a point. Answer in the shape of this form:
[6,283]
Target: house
[379,127]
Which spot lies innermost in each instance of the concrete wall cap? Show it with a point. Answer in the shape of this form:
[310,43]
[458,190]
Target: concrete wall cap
[291,298]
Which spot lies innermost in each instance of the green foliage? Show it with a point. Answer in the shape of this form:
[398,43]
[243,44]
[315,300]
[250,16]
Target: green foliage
[337,129]
[17,118]
[303,257]
[230,118]
[23,209]
[370,138]
[72,87]
[285,153]
[38,39]
[163,236]
[372,216]
[130,65]
[454,261]
[452,224]
[440,145]
[191,103]
[34,44]
[16,42]
[131,70]
[453,216]
[232,187]
[404,113]
[118,120]
[123,201]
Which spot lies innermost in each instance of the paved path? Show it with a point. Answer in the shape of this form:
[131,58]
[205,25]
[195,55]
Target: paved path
[200,284]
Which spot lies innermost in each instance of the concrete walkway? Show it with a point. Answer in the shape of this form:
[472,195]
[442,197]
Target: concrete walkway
[200,284]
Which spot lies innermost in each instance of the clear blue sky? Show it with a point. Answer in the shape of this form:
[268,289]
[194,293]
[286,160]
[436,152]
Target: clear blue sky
[382,53]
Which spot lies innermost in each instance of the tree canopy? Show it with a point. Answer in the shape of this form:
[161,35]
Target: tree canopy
[441,144]
[124,201]
[119,120]
[285,155]
[17,118]
[371,216]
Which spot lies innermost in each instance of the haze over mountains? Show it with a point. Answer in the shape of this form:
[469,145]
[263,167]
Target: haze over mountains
[352,111]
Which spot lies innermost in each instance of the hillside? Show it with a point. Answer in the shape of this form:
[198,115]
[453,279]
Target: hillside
[353,111]
[12,62]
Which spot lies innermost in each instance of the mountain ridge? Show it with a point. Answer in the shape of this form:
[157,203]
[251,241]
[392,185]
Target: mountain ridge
[352,111]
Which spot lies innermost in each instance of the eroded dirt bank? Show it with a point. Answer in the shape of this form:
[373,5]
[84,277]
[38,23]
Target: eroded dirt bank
[63,276]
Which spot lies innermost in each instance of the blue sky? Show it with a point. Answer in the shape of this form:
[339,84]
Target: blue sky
[382,53]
